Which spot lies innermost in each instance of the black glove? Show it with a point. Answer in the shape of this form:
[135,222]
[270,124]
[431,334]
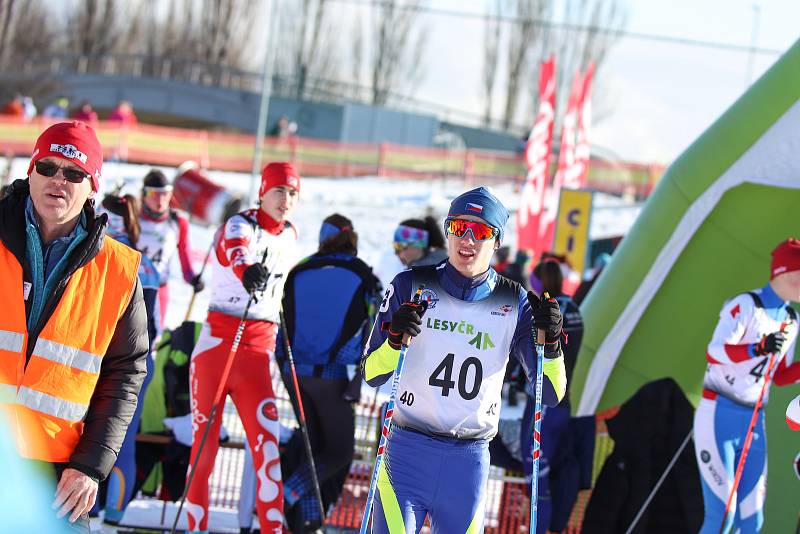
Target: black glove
[255,278]
[197,284]
[770,344]
[547,317]
[352,393]
[406,321]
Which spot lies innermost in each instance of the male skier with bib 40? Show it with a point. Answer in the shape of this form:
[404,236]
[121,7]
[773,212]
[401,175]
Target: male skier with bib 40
[468,321]
[752,345]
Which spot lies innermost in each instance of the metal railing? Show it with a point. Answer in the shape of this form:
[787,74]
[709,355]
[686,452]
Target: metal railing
[215,75]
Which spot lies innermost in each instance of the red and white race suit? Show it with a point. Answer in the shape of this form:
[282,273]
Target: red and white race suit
[241,242]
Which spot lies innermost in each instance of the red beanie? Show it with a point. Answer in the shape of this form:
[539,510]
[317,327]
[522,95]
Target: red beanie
[279,173]
[75,142]
[786,257]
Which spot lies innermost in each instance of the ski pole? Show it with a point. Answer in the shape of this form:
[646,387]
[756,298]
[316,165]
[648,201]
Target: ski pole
[199,275]
[301,416]
[374,402]
[387,421]
[747,441]
[537,423]
[217,397]
[660,481]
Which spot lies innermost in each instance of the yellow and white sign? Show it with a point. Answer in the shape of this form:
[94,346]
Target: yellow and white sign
[572,227]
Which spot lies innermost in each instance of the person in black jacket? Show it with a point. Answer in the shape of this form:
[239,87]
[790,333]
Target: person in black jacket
[75,287]
[328,302]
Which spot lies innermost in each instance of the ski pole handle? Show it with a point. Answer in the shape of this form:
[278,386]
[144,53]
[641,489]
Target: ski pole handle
[540,336]
[415,299]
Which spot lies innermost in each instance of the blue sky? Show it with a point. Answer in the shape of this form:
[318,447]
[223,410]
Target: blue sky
[661,96]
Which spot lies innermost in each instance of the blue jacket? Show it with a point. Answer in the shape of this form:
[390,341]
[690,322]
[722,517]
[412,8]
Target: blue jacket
[150,280]
[328,303]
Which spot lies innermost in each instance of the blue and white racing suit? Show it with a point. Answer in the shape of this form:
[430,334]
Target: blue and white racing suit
[448,398]
[733,381]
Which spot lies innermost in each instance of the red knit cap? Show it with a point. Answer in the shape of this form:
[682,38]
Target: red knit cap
[279,173]
[786,257]
[75,142]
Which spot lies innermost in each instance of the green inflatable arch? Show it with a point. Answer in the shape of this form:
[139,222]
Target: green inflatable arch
[704,235]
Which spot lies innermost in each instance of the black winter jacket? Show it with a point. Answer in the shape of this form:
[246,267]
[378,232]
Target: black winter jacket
[647,432]
[124,365]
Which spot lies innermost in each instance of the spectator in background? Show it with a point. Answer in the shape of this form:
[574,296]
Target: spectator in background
[281,127]
[327,336]
[570,278]
[123,114]
[419,242]
[516,270]
[14,108]
[165,232]
[502,258]
[86,114]
[555,420]
[58,109]
[28,108]
[599,264]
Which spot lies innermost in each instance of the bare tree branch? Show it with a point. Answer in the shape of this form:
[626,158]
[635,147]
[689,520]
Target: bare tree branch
[29,32]
[577,49]
[491,57]
[357,55]
[6,10]
[398,45]
[525,38]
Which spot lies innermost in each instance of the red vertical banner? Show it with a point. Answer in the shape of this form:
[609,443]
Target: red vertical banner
[566,161]
[537,159]
[576,177]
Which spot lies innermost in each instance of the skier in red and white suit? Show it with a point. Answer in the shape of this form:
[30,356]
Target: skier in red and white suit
[164,231]
[238,273]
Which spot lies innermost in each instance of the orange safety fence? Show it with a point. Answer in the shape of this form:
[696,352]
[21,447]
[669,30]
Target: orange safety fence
[160,145]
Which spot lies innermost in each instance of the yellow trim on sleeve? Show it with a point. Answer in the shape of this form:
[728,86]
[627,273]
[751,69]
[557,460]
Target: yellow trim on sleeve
[381,361]
[555,371]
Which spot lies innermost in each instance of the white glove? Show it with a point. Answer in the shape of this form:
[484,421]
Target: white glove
[182,429]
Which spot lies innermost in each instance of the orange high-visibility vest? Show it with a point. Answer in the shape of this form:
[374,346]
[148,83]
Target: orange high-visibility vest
[46,401]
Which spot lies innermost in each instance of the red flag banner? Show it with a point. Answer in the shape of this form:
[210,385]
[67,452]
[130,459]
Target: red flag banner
[537,158]
[566,161]
[576,177]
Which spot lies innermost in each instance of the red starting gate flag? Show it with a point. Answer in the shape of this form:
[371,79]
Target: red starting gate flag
[566,162]
[537,159]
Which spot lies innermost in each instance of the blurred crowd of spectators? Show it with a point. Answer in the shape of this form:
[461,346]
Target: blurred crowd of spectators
[24,108]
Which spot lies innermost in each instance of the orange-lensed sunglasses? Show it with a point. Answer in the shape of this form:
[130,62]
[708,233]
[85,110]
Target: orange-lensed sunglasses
[480,231]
